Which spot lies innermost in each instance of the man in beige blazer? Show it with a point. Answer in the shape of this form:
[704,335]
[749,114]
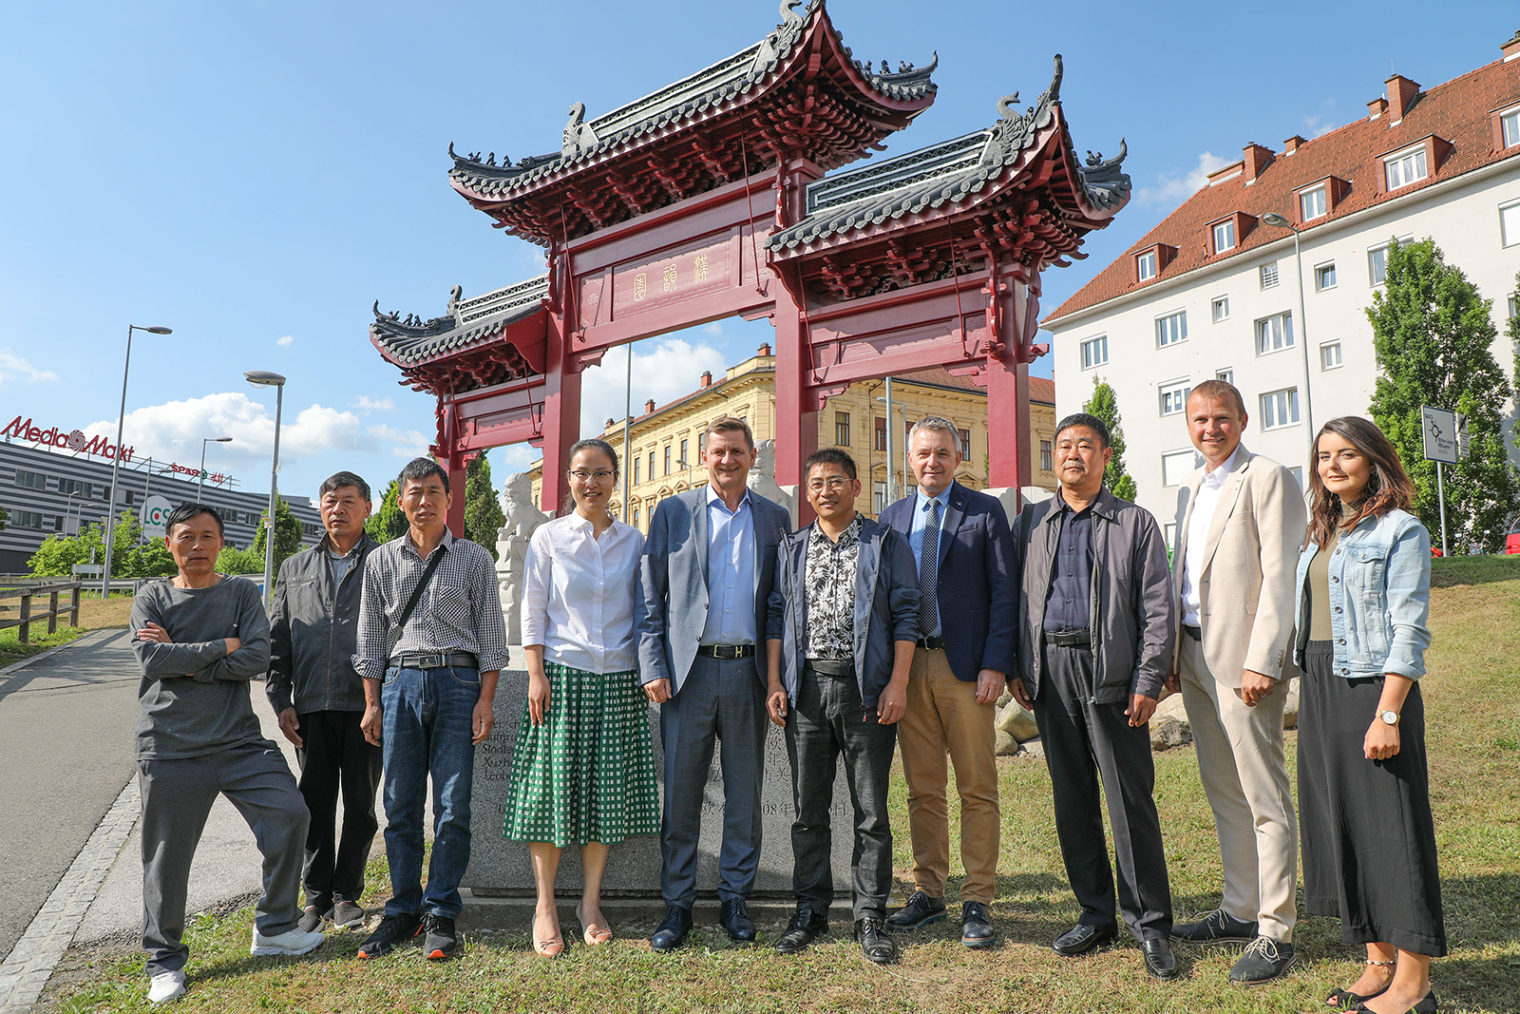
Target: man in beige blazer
[1238,535]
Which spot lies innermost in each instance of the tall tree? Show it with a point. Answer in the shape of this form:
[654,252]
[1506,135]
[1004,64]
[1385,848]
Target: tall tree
[287,533]
[388,522]
[482,508]
[1105,405]
[1434,338]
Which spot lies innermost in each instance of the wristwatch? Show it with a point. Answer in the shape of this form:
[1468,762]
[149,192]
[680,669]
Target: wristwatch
[1389,717]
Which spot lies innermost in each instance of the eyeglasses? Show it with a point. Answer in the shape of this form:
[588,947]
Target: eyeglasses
[600,475]
[833,484]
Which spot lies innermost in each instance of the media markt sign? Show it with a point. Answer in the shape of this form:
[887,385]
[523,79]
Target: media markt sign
[56,436]
[155,515]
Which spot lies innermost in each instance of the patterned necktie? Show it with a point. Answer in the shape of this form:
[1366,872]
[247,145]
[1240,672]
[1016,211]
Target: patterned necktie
[928,575]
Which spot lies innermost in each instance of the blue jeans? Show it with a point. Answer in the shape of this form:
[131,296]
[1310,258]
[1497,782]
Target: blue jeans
[427,728]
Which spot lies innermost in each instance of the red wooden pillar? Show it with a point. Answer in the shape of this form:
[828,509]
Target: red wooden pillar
[1008,458]
[561,424]
[455,465]
[796,406]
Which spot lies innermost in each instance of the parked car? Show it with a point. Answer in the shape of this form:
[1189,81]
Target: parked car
[1512,540]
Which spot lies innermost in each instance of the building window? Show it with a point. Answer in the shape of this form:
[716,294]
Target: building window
[1377,264]
[1176,466]
[68,486]
[1046,464]
[1219,308]
[686,462]
[842,429]
[651,466]
[1145,266]
[1297,471]
[1279,408]
[667,459]
[1514,306]
[1171,329]
[1224,236]
[1509,223]
[881,434]
[1311,204]
[879,496]
[636,463]
[1174,396]
[1405,167]
[1268,275]
[1324,276]
[1330,355]
[1509,125]
[1095,352]
[634,517]
[1275,333]
[965,443]
[30,480]
[26,519]
[1227,375]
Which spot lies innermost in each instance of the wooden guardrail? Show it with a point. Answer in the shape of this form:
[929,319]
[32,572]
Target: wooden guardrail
[26,616]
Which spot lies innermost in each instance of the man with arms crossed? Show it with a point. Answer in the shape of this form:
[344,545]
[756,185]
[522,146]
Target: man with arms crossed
[960,542]
[429,685]
[1242,522]
[199,638]
[704,580]
[840,639]
[319,698]
[1095,601]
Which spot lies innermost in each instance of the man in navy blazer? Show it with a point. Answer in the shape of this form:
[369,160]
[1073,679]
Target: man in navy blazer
[843,627]
[704,582]
[968,594]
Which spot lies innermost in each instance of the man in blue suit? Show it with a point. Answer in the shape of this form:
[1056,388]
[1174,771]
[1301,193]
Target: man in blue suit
[968,595]
[704,582]
[842,631]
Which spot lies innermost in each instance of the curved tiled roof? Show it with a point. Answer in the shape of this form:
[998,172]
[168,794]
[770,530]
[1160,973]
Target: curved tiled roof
[465,324]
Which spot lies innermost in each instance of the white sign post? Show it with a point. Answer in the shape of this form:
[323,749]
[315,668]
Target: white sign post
[1439,429]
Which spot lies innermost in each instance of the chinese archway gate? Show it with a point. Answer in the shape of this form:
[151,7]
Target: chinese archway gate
[710,199]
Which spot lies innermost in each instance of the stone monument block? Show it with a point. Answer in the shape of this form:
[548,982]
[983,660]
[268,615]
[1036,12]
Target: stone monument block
[500,868]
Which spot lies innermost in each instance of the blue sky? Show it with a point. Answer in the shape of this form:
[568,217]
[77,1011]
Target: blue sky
[255,175]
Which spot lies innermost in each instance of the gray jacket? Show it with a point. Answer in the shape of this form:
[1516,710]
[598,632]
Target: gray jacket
[1131,606]
[313,627]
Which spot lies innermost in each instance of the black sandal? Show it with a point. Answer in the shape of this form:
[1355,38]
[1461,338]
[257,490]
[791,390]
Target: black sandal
[1345,999]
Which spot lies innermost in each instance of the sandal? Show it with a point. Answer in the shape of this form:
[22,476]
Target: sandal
[1345,999]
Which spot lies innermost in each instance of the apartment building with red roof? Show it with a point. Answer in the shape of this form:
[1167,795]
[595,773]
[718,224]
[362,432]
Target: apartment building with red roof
[1217,289]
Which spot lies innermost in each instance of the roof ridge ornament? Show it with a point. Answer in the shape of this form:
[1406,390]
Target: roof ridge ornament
[578,135]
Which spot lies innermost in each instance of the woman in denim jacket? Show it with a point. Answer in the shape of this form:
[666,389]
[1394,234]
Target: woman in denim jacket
[1363,603]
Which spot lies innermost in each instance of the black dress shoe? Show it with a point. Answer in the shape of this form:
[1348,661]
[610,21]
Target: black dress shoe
[921,910]
[672,929]
[805,927]
[874,942]
[734,917]
[1082,938]
[976,926]
[1159,959]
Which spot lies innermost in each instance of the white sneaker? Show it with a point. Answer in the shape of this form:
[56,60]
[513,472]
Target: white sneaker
[290,942]
[166,986]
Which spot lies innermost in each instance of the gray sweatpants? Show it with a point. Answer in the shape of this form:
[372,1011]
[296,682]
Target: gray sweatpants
[176,798]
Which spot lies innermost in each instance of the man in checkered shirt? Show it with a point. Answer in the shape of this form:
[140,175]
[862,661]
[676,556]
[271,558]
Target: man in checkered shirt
[429,688]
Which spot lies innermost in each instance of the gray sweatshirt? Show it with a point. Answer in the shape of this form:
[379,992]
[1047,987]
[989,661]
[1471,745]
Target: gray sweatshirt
[194,697]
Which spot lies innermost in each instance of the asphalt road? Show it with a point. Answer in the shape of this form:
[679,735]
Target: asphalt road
[66,752]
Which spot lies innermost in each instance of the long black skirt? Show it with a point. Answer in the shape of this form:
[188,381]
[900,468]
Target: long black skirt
[1369,841]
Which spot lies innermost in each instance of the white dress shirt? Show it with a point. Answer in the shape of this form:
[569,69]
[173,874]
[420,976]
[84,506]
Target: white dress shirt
[1204,503]
[578,594]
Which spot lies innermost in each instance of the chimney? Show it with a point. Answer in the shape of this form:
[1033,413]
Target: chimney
[1511,49]
[649,406]
[1291,144]
[1377,107]
[1257,158]
[707,378]
[764,350]
[1401,93]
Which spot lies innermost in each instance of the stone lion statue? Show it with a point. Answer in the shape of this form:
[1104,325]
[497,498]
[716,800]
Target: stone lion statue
[762,478]
[521,519]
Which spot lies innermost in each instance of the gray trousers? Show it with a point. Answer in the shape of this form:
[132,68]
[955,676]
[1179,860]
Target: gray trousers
[176,798]
[721,701]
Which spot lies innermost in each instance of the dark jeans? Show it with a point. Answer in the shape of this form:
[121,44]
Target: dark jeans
[426,729]
[334,756]
[827,721]
[1084,739]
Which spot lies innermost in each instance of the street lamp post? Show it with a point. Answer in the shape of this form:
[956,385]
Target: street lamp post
[263,378]
[1277,221]
[200,488]
[121,419]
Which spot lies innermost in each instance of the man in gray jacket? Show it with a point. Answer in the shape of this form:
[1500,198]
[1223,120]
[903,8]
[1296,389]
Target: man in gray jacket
[1095,647]
[319,699]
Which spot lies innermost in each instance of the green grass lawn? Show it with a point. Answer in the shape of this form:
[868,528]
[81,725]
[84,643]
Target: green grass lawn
[1474,752]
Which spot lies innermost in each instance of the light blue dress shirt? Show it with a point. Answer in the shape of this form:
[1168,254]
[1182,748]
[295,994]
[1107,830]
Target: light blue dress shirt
[916,533]
[730,572]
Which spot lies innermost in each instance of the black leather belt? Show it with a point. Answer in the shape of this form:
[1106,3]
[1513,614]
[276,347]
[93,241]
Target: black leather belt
[436,660]
[839,668]
[1196,633]
[1069,638]
[931,643]
[726,651]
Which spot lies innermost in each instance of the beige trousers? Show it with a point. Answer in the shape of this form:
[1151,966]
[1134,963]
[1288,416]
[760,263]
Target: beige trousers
[1245,776]
[943,715]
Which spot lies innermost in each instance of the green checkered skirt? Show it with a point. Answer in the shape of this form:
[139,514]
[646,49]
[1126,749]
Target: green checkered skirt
[587,773]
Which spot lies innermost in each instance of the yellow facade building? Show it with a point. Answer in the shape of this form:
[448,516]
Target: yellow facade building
[666,440]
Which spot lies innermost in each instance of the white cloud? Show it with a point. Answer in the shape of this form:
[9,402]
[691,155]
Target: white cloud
[1318,126]
[663,369]
[1171,189]
[715,329]
[285,341]
[12,365]
[403,443]
[368,404]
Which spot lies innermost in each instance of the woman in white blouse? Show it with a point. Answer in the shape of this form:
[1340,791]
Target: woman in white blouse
[583,773]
